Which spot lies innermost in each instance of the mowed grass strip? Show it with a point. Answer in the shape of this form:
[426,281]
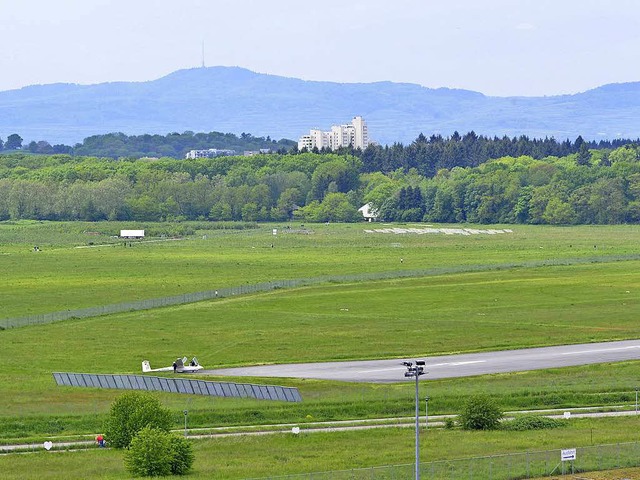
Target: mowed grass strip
[287,454]
[63,277]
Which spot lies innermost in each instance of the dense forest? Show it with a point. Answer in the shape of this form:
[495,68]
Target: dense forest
[456,179]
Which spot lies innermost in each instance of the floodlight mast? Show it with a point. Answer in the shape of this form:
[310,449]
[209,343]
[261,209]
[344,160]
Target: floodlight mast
[415,371]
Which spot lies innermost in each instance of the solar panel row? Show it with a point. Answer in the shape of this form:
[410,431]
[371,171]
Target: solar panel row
[178,385]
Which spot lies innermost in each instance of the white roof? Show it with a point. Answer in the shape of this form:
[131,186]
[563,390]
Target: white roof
[367,211]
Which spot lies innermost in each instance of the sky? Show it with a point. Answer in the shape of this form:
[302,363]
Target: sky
[496,47]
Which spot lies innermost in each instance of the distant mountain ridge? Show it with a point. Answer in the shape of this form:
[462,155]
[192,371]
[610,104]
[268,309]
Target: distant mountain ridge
[236,100]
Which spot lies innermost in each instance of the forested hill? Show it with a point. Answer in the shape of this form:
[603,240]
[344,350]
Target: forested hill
[231,99]
[591,186]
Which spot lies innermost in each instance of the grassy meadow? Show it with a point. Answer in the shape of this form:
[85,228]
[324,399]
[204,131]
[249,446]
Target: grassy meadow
[62,276]
[507,299]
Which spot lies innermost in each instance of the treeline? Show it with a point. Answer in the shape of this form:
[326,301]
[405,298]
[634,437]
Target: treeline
[173,145]
[257,188]
[605,189]
[428,155]
[598,185]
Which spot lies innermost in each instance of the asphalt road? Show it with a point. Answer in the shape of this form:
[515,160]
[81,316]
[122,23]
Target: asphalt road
[449,366]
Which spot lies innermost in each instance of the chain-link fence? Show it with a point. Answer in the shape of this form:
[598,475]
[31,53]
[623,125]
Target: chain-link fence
[495,467]
[276,284]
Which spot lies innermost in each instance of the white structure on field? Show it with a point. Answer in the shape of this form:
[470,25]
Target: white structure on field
[368,213]
[354,134]
[131,233]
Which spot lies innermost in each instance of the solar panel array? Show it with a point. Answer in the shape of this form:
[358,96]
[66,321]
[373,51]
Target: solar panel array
[178,385]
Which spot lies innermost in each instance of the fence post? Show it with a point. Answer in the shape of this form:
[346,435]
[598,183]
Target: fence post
[546,464]
[509,463]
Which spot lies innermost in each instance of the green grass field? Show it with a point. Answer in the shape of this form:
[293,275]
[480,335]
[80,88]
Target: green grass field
[505,302]
[286,454]
[63,277]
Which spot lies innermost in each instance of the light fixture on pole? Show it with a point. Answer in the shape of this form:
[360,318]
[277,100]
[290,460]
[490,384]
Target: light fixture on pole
[186,413]
[426,412]
[415,371]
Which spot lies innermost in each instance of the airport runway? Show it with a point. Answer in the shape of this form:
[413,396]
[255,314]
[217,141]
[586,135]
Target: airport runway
[449,366]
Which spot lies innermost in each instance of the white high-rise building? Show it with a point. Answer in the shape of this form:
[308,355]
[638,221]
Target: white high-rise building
[361,134]
[320,139]
[354,134]
[305,141]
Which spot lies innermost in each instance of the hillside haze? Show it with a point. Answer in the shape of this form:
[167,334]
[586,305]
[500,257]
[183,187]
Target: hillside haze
[236,100]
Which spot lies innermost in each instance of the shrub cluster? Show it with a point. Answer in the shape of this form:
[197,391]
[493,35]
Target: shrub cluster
[130,413]
[155,453]
[532,422]
[480,413]
[138,422]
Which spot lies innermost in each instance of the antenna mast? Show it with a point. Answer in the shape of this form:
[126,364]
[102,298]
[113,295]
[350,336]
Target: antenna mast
[203,54]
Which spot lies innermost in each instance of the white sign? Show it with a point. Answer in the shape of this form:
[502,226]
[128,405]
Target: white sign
[568,454]
[275,231]
[131,233]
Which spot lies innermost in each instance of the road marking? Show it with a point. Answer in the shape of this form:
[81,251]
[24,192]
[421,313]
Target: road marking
[399,367]
[455,364]
[427,366]
[602,350]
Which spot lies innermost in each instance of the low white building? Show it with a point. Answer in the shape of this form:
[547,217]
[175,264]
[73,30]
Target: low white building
[251,153]
[209,153]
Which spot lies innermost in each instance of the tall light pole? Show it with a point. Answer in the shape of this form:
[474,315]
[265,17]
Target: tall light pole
[415,371]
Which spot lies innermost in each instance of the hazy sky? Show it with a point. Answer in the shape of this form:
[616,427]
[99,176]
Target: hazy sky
[497,47]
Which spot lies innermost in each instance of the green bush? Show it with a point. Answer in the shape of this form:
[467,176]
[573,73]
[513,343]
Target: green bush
[156,453]
[182,455]
[130,413]
[149,454]
[480,413]
[532,422]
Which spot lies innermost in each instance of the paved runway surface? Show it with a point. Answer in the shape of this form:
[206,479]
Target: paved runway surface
[450,366]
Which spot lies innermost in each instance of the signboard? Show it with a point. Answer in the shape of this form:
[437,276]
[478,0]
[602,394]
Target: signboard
[568,454]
